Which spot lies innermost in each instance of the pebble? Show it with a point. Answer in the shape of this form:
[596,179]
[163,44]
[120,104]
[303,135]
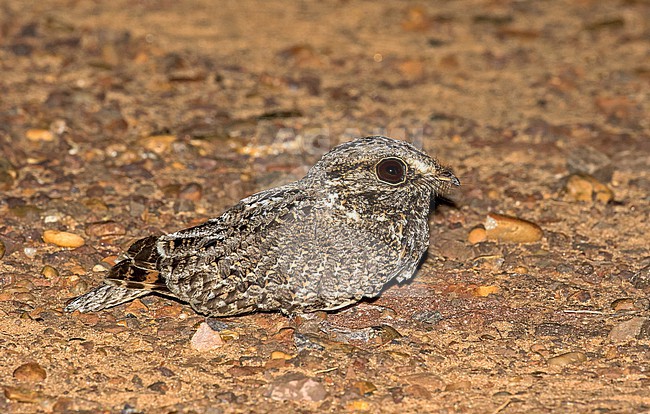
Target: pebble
[205,339]
[158,144]
[62,238]
[364,388]
[628,330]
[3,249]
[483,291]
[136,307]
[22,395]
[624,304]
[458,386]
[295,386]
[49,272]
[30,252]
[280,355]
[25,297]
[105,228]
[30,372]
[192,192]
[426,379]
[384,334]
[477,235]
[567,359]
[510,229]
[417,392]
[584,187]
[587,160]
[168,311]
[79,288]
[428,316]
[358,406]
[397,394]
[159,386]
[39,135]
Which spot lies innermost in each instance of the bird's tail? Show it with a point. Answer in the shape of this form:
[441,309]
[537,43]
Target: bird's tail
[104,296]
[134,275]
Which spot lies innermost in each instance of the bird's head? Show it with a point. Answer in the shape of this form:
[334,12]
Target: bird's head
[381,166]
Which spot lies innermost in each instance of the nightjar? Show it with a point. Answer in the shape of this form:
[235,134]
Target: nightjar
[356,221]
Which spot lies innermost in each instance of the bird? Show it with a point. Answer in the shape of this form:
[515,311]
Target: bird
[357,220]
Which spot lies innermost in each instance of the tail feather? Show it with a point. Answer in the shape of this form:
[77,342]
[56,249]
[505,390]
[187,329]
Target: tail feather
[104,296]
[134,275]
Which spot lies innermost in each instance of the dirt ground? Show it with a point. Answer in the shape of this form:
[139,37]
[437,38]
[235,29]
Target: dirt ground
[122,119]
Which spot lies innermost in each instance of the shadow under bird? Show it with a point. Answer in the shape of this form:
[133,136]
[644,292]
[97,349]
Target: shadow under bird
[356,221]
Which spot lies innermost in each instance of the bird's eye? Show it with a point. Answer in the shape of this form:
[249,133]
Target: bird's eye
[391,171]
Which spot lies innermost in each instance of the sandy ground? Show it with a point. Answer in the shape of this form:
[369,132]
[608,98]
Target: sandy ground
[128,118]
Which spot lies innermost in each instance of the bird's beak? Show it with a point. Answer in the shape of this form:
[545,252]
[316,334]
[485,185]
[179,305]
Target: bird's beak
[447,176]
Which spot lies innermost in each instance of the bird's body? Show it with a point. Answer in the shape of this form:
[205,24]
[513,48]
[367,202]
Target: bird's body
[357,220]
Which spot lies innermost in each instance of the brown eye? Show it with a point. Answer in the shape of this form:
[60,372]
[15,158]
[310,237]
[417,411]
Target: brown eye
[391,171]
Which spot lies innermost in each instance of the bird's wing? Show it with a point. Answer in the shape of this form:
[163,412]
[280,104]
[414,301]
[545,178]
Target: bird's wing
[137,268]
[214,260]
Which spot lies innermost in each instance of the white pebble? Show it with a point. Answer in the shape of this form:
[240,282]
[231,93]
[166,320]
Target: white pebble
[30,252]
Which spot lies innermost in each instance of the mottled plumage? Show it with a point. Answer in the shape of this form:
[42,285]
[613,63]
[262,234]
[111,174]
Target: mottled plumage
[357,220]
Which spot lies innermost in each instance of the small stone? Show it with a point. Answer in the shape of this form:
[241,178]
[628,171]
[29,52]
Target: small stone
[416,391]
[62,238]
[358,406]
[296,387]
[3,249]
[587,160]
[280,355]
[458,386]
[159,386]
[416,20]
[49,272]
[428,316]
[384,334]
[244,371]
[411,68]
[30,372]
[510,229]
[105,228]
[483,291]
[22,395]
[477,235]
[426,379]
[158,144]
[39,135]
[584,187]
[192,192]
[397,394]
[627,331]
[567,359]
[625,304]
[100,267]
[228,335]
[205,339]
[90,319]
[168,311]
[136,307]
[79,288]
[364,388]
[25,297]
